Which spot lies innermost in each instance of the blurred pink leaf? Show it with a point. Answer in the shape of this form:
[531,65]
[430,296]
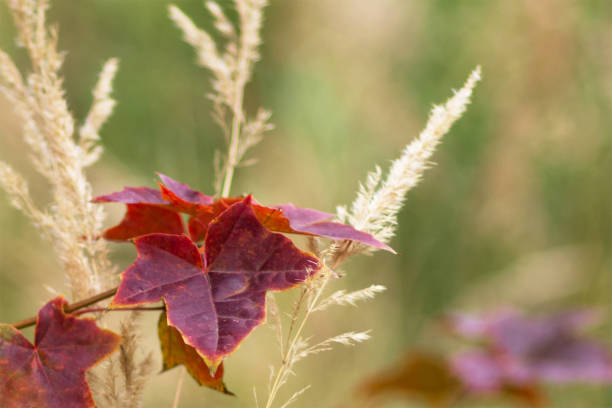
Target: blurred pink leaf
[536,349]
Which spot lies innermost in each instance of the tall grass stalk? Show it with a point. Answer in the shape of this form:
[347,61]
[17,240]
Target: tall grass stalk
[374,210]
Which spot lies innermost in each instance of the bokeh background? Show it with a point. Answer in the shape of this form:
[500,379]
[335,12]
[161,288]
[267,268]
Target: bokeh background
[517,211]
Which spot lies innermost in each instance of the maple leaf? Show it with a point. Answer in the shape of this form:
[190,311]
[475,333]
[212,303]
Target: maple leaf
[150,211]
[134,195]
[142,219]
[184,192]
[309,221]
[147,212]
[203,209]
[197,229]
[51,372]
[217,299]
[175,352]
[542,348]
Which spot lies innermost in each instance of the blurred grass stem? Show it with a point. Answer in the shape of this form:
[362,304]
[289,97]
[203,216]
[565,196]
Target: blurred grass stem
[232,155]
[179,387]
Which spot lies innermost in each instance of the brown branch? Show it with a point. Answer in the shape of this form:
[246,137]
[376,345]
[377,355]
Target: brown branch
[91,300]
[71,307]
[122,309]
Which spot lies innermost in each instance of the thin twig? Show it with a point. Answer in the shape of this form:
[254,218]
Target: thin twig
[338,257]
[123,309]
[294,317]
[71,307]
[286,362]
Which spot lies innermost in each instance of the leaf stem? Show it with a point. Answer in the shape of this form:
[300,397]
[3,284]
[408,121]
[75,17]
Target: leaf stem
[71,307]
[122,309]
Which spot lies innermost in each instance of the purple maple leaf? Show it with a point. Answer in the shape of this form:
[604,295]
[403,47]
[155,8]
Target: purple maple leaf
[522,349]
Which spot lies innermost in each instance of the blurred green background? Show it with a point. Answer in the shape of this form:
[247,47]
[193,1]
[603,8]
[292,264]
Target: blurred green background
[517,211]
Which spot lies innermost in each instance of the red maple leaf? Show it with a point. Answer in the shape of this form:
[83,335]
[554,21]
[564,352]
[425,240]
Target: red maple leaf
[203,209]
[184,192]
[215,298]
[147,212]
[142,219]
[51,372]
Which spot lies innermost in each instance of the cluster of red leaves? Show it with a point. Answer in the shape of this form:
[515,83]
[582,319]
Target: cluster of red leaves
[212,277]
[158,211]
[215,291]
[215,295]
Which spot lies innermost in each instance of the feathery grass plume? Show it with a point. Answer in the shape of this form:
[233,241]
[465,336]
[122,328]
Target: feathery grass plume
[101,109]
[347,339]
[124,387]
[71,221]
[232,69]
[375,211]
[135,373]
[378,202]
[295,396]
[342,298]
[19,195]
[106,392]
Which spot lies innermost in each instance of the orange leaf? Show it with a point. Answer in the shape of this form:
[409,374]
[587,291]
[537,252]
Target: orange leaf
[175,352]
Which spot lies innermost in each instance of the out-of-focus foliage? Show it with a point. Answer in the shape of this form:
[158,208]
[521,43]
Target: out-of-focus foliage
[433,380]
[518,211]
[422,376]
[547,349]
[511,358]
